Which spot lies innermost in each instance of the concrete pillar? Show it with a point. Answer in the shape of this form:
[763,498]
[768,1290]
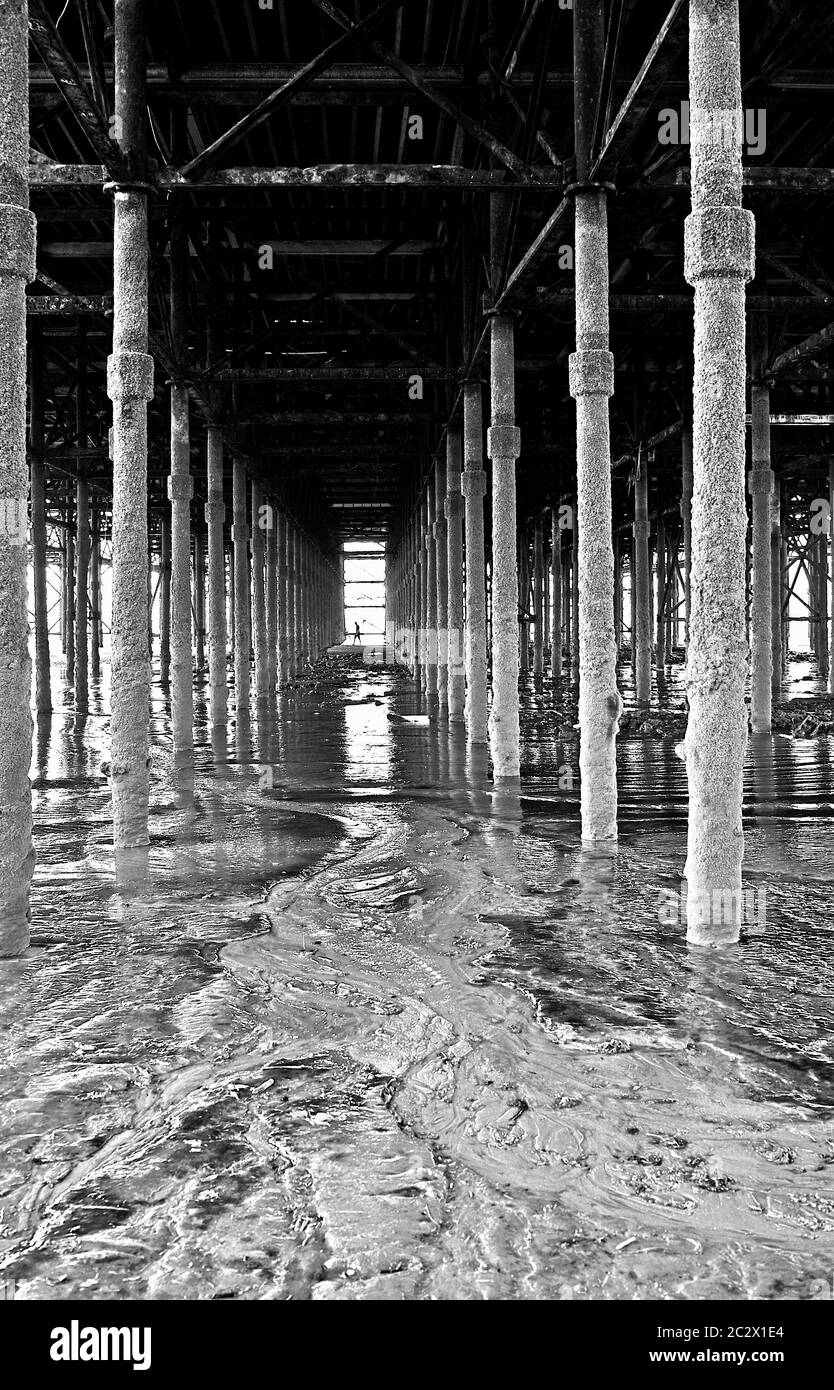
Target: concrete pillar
[292,650]
[718,260]
[686,519]
[309,647]
[282,541]
[271,540]
[431,597]
[641,584]
[504,447]
[473,487]
[523,615]
[230,592]
[199,600]
[661,568]
[441,571]
[784,597]
[297,646]
[95,596]
[538,597]
[761,489]
[822,540]
[618,595]
[69,593]
[43,677]
[422,621]
[215,517]
[259,594]
[591,383]
[831,606]
[776,587]
[300,601]
[180,493]
[454,569]
[17,268]
[574,599]
[556,605]
[82,572]
[164,599]
[152,591]
[243,629]
[130,387]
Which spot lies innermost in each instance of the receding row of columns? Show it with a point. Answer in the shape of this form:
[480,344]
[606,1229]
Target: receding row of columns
[718,262]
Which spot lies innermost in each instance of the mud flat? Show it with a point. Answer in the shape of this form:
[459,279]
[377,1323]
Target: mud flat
[367,1029]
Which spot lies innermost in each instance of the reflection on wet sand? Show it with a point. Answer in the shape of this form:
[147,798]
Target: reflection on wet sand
[360,1024]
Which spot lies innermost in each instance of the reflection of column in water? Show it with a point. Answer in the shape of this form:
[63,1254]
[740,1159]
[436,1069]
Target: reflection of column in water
[477,778]
[184,782]
[501,830]
[243,735]
[441,744]
[595,867]
[217,799]
[761,770]
[43,741]
[132,870]
[456,755]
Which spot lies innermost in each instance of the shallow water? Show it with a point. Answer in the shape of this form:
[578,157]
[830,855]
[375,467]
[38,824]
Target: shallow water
[361,1026]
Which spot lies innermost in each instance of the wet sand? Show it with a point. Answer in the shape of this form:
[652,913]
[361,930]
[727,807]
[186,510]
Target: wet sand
[363,1027]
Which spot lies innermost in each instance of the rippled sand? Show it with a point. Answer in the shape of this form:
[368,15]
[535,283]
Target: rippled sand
[362,1027]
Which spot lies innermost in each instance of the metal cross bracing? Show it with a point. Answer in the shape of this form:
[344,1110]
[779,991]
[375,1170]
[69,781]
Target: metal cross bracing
[324,235]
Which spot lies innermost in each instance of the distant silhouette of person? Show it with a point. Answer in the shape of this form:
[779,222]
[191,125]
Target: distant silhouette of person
[357,635]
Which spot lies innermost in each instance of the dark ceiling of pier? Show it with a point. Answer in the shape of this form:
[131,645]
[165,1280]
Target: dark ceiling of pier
[331,289]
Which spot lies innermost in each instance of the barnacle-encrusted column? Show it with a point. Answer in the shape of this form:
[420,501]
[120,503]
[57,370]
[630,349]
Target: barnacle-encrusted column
[822,542]
[82,577]
[686,517]
[591,383]
[574,594]
[422,622]
[215,517]
[523,572]
[416,652]
[69,592]
[538,596]
[454,568]
[556,602]
[282,541]
[776,583]
[130,387]
[164,600]
[243,629]
[662,597]
[761,489]
[640,589]
[431,599]
[504,447]
[95,596]
[17,267]
[272,596]
[473,486]
[291,648]
[441,572]
[43,676]
[777,611]
[718,260]
[297,649]
[618,594]
[199,600]
[259,516]
[180,493]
